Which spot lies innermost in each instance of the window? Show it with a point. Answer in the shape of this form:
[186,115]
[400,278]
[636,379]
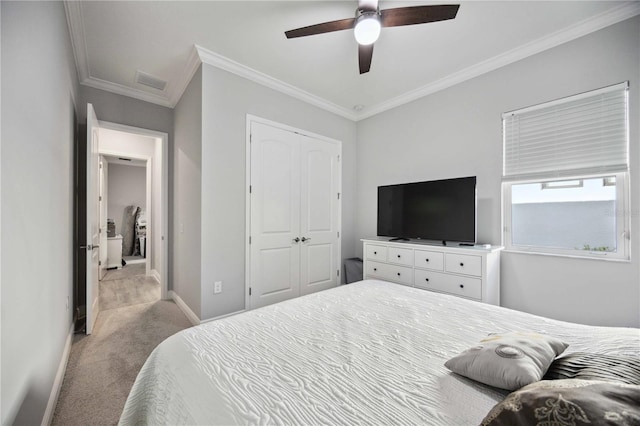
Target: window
[565,176]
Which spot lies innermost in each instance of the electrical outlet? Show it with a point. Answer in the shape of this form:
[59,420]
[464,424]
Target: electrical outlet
[217,287]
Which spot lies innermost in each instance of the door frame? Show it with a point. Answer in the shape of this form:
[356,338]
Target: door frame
[164,192]
[247,247]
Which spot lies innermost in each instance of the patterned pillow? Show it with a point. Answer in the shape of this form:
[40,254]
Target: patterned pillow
[508,361]
[568,402]
[591,366]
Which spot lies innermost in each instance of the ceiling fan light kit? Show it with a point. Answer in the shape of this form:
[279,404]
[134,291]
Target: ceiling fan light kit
[369,21]
[367,29]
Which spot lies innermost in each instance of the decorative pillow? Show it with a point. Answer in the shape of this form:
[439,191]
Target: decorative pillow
[568,402]
[591,366]
[508,361]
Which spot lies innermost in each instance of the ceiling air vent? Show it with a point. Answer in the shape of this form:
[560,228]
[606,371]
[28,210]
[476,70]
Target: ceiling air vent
[150,81]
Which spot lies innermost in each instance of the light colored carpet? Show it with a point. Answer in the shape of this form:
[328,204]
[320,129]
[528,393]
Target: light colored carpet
[103,366]
[129,291]
[126,271]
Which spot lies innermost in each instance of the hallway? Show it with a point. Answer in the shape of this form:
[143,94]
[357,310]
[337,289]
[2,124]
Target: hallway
[103,366]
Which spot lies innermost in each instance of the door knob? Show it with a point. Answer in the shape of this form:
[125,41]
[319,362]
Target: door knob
[305,239]
[296,240]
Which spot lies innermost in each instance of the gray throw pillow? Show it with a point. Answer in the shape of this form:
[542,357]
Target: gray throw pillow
[594,366]
[574,402]
[508,361]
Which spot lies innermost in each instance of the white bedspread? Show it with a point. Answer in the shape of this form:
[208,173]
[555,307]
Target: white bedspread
[365,353]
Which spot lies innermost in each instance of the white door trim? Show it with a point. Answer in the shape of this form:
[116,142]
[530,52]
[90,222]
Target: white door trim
[164,140]
[247,250]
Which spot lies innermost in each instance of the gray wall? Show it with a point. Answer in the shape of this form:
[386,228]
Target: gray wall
[127,186]
[38,87]
[226,101]
[125,110]
[457,132]
[187,213]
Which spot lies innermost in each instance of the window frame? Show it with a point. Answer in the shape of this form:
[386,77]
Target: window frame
[622,252]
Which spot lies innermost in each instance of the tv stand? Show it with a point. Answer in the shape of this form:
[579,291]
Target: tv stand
[399,239]
[470,272]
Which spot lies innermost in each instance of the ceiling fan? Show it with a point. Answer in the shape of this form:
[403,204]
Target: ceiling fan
[369,20]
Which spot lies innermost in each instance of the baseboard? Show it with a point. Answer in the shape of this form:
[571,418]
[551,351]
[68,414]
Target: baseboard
[222,316]
[57,383]
[193,318]
[155,274]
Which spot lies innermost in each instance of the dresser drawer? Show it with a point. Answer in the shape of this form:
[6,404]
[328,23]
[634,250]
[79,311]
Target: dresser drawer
[377,270]
[377,253]
[451,284]
[388,272]
[429,260]
[400,256]
[463,264]
[399,274]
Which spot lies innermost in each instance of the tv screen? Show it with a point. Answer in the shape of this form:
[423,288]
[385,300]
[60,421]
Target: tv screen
[443,210]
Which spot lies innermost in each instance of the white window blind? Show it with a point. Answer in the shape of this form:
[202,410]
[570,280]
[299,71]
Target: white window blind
[582,134]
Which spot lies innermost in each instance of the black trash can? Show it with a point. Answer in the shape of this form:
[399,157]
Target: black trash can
[352,270]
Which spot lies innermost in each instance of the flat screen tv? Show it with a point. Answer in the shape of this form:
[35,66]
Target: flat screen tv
[440,210]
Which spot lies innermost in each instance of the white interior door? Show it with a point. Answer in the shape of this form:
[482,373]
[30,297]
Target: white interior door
[294,215]
[102,201]
[275,215]
[93,218]
[319,215]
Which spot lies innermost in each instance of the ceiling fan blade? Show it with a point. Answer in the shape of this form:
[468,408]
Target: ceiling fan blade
[417,15]
[365,54]
[368,5]
[325,27]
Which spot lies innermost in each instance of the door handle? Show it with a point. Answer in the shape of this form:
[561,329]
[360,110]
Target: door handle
[296,240]
[90,247]
[305,239]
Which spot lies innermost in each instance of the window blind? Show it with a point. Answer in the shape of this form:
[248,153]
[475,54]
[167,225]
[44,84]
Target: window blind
[578,135]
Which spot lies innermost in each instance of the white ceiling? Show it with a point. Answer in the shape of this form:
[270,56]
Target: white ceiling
[114,39]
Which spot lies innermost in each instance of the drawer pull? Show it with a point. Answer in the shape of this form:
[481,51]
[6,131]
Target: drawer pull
[461,264]
[426,279]
[398,256]
[375,269]
[461,286]
[398,273]
[427,260]
[375,252]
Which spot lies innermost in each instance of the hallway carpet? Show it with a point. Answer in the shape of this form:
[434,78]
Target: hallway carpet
[130,287]
[103,366]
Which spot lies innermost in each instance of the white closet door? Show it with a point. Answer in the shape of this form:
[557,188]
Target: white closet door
[319,215]
[275,215]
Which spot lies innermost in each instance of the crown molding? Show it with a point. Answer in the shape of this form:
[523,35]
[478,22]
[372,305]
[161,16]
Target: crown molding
[199,54]
[222,62]
[75,21]
[119,89]
[73,11]
[580,29]
[190,68]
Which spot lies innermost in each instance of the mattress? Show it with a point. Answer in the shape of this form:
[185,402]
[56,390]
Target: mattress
[366,353]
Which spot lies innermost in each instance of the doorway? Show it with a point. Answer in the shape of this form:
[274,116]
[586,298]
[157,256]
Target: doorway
[137,199]
[125,204]
[147,151]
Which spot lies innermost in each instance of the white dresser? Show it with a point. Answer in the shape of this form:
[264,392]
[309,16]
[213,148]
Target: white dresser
[471,272]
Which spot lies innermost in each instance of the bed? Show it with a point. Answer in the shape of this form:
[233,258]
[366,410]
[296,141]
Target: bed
[371,352]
